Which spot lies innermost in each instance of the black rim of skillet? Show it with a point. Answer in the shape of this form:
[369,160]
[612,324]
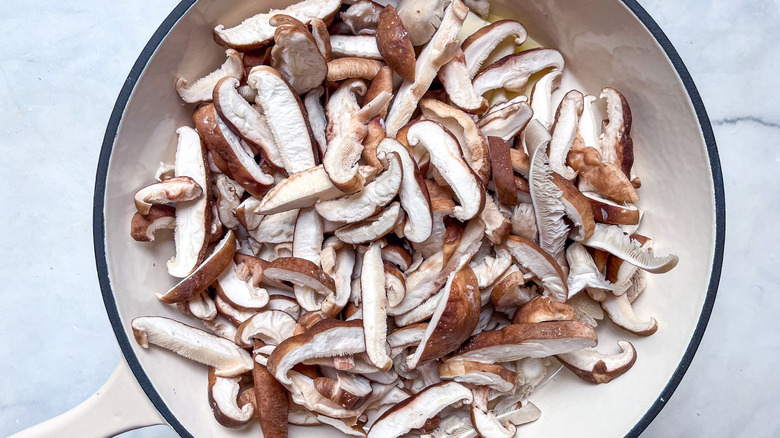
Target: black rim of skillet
[162,32]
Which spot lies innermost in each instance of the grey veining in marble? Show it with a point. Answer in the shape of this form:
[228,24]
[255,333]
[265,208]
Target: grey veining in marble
[62,65]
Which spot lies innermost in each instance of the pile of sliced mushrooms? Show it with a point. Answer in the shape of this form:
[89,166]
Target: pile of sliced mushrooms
[386,224]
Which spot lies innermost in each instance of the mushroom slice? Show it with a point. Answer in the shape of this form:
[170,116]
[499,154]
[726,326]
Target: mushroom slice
[238,285]
[489,269]
[192,217]
[512,72]
[577,208]
[446,157]
[394,45]
[488,426]
[517,341]
[270,326]
[481,7]
[346,390]
[563,132]
[200,306]
[395,284]
[455,77]
[548,207]
[317,119]
[307,245]
[609,212]
[296,56]
[606,178]
[300,272]
[497,226]
[255,32]
[398,256]
[439,50]
[493,376]
[611,238]
[275,228]
[285,304]
[370,200]
[346,131]
[374,301]
[284,113]
[235,316]
[223,399]
[221,326]
[504,178]
[541,99]
[228,200]
[319,30]
[382,81]
[413,412]
[373,228]
[546,271]
[421,312]
[506,120]
[524,221]
[478,46]
[362,17]
[583,273]
[353,68]
[615,141]
[301,190]
[453,321]
[421,18]
[143,226]
[589,126]
[342,271]
[245,120]
[198,345]
[303,392]
[472,143]
[510,292]
[170,191]
[270,400]
[235,160]
[201,90]
[351,46]
[587,309]
[327,338]
[205,274]
[594,367]
[619,310]
[542,309]
[405,337]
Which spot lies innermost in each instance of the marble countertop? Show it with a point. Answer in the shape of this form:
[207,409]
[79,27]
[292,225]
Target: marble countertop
[62,65]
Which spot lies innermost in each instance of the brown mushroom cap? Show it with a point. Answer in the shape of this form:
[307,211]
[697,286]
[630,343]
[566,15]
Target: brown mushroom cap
[606,178]
[270,401]
[296,56]
[256,31]
[493,376]
[503,176]
[453,321]
[143,226]
[353,68]
[615,142]
[205,274]
[223,398]
[594,367]
[609,212]
[542,309]
[577,208]
[394,45]
[347,390]
[301,272]
[517,341]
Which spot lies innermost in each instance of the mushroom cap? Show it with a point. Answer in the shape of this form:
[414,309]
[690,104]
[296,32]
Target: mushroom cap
[512,72]
[446,156]
[517,341]
[172,190]
[243,119]
[546,271]
[271,402]
[393,43]
[542,309]
[327,338]
[143,226]
[198,345]
[454,319]
[205,274]
[297,57]
[592,366]
[223,398]
[347,390]
[421,18]
[353,68]
[606,178]
[615,141]
[413,412]
[493,376]
[362,17]
[255,32]
[577,208]
[503,176]
[609,212]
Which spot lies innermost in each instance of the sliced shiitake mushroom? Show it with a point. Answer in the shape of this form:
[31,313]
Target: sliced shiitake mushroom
[393,43]
[592,366]
[170,191]
[512,72]
[296,56]
[479,45]
[200,90]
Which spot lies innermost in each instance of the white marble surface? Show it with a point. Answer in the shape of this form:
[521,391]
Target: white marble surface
[62,64]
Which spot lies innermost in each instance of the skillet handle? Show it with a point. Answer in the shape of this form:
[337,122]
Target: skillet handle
[118,406]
